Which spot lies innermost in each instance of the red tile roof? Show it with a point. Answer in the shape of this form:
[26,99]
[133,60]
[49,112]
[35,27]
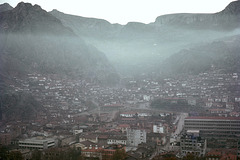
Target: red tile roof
[229,157]
[123,126]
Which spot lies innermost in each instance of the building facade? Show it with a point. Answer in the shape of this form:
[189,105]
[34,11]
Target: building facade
[114,139]
[191,142]
[214,127]
[37,143]
[5,139]
[99,153]
[238,148]
[158,128]
[135,137]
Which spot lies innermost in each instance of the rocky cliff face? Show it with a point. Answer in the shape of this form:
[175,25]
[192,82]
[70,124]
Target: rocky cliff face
[229,18]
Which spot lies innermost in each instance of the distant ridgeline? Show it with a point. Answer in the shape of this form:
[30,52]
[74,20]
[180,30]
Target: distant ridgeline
[175,43]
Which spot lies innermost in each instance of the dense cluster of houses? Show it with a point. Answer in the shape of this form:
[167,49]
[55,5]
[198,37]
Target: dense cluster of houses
[219,92]
[100,120]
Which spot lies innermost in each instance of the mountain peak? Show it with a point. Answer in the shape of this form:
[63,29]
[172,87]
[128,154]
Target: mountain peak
[26,7]
[23,4]
[55,10]
[26,17]
[5,7]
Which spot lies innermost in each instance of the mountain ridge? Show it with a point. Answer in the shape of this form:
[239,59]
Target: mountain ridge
[233,8]
[222,53]
[28,18]
[34,40]
[220,20]
[5,7]
[137,47]
[96,27]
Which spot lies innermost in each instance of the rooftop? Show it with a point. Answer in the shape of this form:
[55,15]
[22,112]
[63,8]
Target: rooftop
[37,140]
[214,118]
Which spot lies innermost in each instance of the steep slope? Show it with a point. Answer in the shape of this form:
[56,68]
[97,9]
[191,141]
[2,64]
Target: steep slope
[34,40]
[223,54]
[232,9]
[93,27]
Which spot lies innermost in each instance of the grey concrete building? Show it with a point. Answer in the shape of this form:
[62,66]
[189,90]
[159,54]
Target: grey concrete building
[191,142]
[37,143]
[214,127]
[135,137]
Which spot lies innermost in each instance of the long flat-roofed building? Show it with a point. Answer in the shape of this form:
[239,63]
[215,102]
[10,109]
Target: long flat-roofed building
[37,143]
[214,127]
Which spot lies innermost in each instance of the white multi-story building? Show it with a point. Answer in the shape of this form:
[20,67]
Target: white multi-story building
[146,98]
[117,140]
[37,143]
[158,128]
[135,137]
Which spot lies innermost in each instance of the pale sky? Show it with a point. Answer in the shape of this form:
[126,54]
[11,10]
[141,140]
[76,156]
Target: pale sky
[123,11]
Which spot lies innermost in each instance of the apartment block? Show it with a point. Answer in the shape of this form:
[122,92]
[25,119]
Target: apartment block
[135,137]
[191,142]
